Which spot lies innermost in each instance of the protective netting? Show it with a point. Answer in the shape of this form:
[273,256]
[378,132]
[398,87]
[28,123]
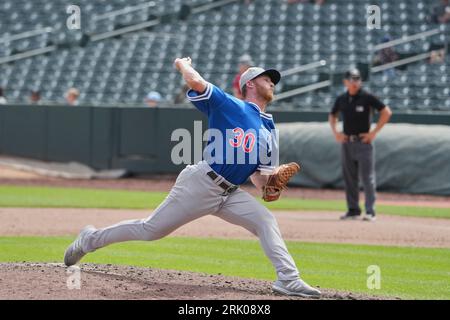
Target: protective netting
[409,158]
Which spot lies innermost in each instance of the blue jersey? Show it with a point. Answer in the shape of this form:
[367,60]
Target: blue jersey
[247,135]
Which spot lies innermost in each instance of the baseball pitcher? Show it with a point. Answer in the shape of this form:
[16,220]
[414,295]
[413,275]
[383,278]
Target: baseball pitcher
[212,186]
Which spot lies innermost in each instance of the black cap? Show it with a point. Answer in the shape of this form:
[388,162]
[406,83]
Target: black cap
[352,74]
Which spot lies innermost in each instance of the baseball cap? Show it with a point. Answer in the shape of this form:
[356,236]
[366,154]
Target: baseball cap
[153,95]
[352,74]
[254,72]
[386,38]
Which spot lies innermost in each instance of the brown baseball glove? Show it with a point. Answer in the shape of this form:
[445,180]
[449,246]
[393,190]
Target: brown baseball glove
[278,180]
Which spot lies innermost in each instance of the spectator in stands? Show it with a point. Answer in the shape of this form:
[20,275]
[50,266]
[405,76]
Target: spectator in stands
[357,151]
[72,96]
[245,62]
[35,97]
[153,99]
[437,56]
[441,12]
[2,97]
[386,55]
[181,96]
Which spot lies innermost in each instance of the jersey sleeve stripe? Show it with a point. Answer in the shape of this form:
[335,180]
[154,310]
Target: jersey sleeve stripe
[266,116]
[204,96]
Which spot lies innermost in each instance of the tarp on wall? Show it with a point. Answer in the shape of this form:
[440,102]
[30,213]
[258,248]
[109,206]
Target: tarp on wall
[409,158]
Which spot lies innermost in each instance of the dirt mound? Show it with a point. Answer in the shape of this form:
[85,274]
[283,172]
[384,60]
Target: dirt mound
[52,281]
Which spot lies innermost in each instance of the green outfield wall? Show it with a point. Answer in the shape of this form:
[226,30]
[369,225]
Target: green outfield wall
[134,138]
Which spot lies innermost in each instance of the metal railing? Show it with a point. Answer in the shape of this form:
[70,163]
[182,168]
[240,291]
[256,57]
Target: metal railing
[151,23]
[132,28]
[27,54]
[405,61]
[401,62]
[305,67]
[199,9]
[101,36]
[301,90]
[125,10]
[26,34]
[210,6]
[406,39]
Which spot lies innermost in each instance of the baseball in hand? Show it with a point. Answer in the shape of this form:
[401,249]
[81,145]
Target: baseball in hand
[179,61]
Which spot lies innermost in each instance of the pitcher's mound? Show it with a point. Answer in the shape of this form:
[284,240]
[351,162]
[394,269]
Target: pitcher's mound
[90,281]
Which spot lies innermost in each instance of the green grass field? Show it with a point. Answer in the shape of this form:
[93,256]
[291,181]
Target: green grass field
[414,273]
[411,273]
[95,198]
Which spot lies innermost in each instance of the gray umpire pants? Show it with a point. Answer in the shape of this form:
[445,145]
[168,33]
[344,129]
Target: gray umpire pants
[358,161]
[195,195]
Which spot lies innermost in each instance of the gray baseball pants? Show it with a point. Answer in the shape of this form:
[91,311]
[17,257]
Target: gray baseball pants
[358,161]
[195,195]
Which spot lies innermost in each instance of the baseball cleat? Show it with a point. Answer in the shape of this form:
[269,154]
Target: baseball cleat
[350,217]
[75,252]
[295,288]
[369,217]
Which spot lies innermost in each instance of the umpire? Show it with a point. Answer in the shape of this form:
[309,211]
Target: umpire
[357,107]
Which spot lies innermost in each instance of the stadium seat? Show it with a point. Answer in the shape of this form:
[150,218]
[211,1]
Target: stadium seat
[275,33]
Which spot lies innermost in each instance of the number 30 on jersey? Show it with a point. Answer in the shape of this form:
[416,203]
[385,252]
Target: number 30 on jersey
[242,139]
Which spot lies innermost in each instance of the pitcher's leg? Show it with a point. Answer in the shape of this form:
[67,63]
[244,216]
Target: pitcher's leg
[186,201]
[167,217]
[242,209]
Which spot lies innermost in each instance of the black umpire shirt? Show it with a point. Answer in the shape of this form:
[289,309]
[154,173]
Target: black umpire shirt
[356,111]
